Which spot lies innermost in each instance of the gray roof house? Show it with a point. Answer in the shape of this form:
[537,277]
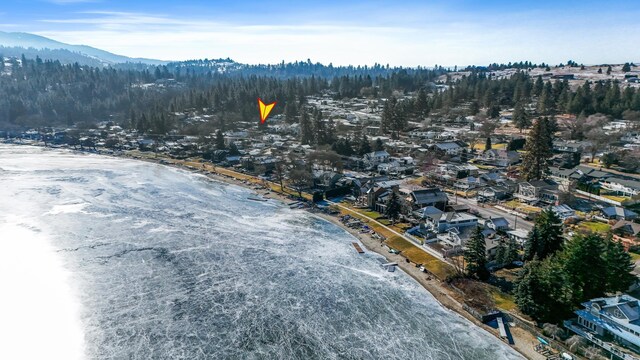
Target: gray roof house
[497,223]
[618,213]
[428,197]
[612,323]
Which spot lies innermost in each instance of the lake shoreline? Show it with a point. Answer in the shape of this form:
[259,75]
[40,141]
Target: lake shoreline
[442,293]
[524,340]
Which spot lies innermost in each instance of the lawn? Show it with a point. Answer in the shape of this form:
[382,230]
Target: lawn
[595,226]
[493,146]
[635,257]
[372,214]
[503,300]
[517,205]
[416,255]
[619,199]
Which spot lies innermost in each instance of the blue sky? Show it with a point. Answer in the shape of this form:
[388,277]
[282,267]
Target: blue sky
[408,33]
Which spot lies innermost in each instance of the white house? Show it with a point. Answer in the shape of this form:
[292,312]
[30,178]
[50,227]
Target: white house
[610,322]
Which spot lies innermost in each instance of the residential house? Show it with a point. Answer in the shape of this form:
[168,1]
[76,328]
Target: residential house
[627,233]
[428,197]
[499,157]
[545,191]
[455,240]
[563,211]
[451,148]
[376,157]
[468,183]
[427,211]
[493,193]
[518,235]
[624,187]
[574,147]
[612,323]
[497,224]
[377,195]
[443,222]
[326,180]
[617,213]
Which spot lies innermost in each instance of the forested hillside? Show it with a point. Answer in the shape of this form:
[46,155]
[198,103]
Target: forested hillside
[36,93]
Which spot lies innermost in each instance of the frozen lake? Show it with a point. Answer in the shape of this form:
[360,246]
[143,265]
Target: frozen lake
[117,259]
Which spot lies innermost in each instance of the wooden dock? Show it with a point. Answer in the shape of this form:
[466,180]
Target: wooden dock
[358,248]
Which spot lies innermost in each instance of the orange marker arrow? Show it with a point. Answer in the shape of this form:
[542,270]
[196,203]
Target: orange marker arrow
[265,110]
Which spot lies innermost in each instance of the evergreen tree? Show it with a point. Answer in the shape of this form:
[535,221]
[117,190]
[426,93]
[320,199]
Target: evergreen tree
[421,103]
[233,149]
[220,145]
[487,144]
[529,288]
[378,145]
[501,254]
[619,267]
[520,117]
[586,267]
[546,101]
[393,208]
[542,291]
[364,147]
[538,86]
[538,150]
[474,108]
[290,112]
[545,238]
[493,112]
[306,129]
[609,70]
[475,256]
[626,67]
[511,253]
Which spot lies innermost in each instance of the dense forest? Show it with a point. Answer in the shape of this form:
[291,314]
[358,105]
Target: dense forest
[35,93]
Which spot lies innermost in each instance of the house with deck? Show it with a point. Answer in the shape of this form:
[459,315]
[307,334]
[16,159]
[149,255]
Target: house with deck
[536,191]
[612,323]
[428,197]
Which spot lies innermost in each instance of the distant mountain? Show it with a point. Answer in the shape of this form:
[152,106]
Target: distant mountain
[12,42]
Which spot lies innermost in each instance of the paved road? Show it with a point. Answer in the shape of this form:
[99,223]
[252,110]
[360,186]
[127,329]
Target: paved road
[489,211]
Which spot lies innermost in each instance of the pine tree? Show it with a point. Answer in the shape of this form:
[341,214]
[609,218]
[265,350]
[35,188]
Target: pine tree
[364,147]
[619,267]
[538,86]
[394,207]
[520,117]
[532,244]
[220,145]
[586,267]
[538,151]
[546,101]
[421,103]
[233,149]
[306,129]
[487,144]
[626,67]
[528,290]
[501,254]
[545,238]
[511,254]
[378,145]
[542,291]
[475,256]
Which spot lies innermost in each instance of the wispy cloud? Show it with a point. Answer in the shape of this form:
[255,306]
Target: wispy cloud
[422,37]
[69,2]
